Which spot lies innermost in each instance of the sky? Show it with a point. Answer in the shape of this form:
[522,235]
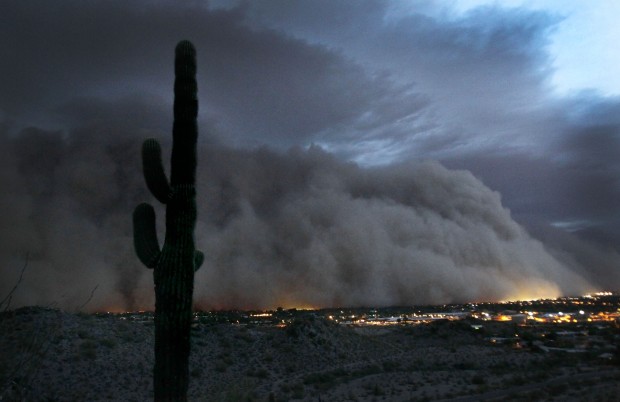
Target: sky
[350,153]
[579,44]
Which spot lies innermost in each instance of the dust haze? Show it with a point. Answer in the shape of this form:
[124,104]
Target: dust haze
[293,229]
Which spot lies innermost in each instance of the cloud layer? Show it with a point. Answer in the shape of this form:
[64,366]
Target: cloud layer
[356,218]
[305,229]
[294,229]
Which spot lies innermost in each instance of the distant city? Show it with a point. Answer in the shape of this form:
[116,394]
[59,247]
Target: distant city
[601,307]
[587,324]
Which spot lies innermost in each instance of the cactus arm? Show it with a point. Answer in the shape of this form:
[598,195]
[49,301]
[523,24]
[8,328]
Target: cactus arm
[153,169]
[145,235]
[199,257]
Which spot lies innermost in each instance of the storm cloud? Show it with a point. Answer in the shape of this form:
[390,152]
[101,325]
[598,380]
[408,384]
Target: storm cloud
[295,229]
[305,229]
[350,153]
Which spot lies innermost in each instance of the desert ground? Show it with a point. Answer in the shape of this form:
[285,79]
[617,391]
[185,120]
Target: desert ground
[52,355]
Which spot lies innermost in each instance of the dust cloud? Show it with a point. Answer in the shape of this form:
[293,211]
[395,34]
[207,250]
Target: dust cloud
[294,229]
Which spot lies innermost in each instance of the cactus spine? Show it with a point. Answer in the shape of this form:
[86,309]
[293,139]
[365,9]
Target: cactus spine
[174,264]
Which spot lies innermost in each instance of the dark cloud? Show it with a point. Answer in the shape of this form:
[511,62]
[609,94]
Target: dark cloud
[300,228]
[258,86]
[66,209]
[362,83]
[85,82]
[572,182]
[486,73]
[336,234]
[593,254]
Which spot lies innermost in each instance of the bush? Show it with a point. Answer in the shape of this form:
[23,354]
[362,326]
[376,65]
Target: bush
[82,334]
[298,391]
[389,366]
[478,380]
[464,366]
[220,366]
[318,378]
[258,373]
[107,342]
[88,349]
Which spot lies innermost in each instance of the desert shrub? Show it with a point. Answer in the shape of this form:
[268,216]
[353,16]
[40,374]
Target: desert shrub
[318,378]
[258,373]
[391,365]
[288,349]
[326,379]
[83,334]
[500,367]
[465,366]
[88,349]
[107,342]
[297,391]
[196,372]
[377,390]
[518,380]
[126,332]
[366,371]
[244,336]
[242,391]
[478,380]
[220,366]
[556,389]
[414,365]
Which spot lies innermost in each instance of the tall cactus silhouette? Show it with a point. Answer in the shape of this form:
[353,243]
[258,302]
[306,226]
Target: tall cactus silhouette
[174,264]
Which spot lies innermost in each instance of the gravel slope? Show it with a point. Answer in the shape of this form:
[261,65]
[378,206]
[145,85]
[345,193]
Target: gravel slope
[51,355]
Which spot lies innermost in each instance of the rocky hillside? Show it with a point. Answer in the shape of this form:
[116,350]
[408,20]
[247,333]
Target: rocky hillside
[51,355]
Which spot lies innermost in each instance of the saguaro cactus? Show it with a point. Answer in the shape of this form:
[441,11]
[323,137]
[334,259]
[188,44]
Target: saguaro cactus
[174,264]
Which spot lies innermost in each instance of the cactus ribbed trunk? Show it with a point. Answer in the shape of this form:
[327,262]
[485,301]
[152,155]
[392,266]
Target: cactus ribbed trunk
[174,265]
